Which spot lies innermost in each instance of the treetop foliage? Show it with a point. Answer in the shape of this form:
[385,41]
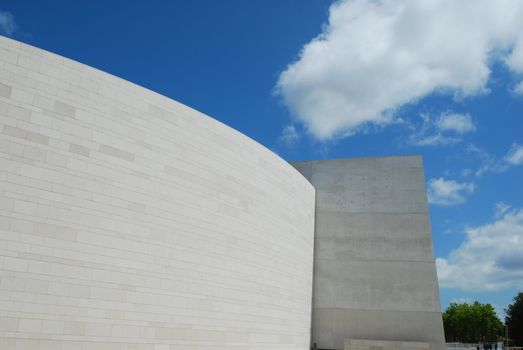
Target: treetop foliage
[514,320]
[471,323]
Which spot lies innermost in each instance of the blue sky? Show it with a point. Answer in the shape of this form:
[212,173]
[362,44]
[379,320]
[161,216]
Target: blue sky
[322,79]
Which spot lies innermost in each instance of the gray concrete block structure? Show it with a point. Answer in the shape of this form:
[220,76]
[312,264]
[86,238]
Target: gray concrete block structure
[374,270]
[131,221]
[366,344]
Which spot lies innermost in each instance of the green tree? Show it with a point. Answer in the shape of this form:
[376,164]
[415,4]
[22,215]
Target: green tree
[514,320]
[470,323]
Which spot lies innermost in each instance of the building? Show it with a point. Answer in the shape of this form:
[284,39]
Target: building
[374,271]
[131,221]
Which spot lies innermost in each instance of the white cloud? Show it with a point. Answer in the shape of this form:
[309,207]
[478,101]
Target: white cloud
[433,140]
[459,123]
[489,163]
[7,23]
[515,155]
[490,258]
[373,57]
[466,172]
[445,130]
[289,135]
[448,192]
[518,89]
[500,209]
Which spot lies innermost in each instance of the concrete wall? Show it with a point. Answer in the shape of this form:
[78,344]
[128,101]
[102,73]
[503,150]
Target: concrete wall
[365,344]
[374,271]
[130,221]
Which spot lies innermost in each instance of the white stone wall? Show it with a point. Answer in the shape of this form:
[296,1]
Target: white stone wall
[130,221]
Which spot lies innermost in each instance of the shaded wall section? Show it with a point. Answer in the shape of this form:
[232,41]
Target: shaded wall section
[131,221]
[374,270]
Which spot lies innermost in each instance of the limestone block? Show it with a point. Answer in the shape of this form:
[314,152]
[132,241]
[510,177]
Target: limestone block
[131,221]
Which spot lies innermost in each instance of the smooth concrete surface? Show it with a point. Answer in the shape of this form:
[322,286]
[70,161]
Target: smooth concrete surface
[131,221]
[374,270]
[368,344]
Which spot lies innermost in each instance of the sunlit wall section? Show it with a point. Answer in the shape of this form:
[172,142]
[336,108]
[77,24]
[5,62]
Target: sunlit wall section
[131,221]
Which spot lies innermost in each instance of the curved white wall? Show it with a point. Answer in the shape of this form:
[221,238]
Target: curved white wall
[130,221]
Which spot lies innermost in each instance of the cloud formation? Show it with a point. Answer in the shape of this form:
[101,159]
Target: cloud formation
[447,129]
[489,259]
[518,89]
[459,123]
[7,23]
[500,209]
[374,57]
[515,155]
[289,135]
[448,192]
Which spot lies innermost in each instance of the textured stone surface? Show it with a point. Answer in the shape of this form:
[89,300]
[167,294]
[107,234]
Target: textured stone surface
[130,221]
[374,271]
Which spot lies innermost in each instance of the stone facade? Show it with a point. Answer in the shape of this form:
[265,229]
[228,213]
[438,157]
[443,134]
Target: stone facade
[131,221]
